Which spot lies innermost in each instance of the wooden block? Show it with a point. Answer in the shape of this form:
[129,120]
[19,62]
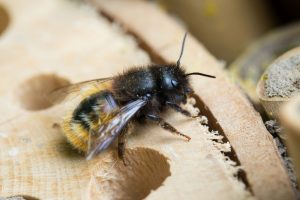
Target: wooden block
[51,43]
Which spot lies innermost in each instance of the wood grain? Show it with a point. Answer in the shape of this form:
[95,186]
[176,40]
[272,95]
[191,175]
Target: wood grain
[49,43]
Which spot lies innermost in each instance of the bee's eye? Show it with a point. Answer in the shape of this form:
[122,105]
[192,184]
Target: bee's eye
[174,83]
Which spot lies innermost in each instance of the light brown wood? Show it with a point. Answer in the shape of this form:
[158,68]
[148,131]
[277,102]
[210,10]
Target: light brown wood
[64,41]
[290,118]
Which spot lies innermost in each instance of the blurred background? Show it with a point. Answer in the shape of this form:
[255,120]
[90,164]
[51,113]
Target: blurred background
[226,28]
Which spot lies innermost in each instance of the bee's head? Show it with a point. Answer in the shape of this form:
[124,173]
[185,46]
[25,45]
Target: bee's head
[174,82]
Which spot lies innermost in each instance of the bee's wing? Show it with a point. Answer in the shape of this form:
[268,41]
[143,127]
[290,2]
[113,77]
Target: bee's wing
[107,132]
[60,94]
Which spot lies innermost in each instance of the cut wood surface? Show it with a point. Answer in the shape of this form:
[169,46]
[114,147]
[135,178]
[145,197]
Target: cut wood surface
[280,82]
[51,43]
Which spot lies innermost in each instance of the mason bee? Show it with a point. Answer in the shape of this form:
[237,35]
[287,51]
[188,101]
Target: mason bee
[109,105]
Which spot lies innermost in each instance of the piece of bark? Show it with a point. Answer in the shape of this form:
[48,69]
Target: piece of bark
[71,41]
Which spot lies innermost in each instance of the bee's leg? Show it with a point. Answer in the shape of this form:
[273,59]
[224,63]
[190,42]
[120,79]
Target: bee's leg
[165,125]
[121,145]
[181,110]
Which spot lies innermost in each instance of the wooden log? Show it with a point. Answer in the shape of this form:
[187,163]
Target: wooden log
[63,42]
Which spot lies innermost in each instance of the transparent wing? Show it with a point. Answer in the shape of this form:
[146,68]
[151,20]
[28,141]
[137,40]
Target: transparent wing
[60,94]
[107,132]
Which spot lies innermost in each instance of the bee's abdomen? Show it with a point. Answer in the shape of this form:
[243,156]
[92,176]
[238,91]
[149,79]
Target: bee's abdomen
[87,112]
[85,117]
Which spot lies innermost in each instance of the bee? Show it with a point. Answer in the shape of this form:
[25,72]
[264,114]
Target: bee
[108,105]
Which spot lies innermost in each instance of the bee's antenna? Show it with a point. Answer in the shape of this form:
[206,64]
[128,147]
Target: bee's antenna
[201,74]
[182,48]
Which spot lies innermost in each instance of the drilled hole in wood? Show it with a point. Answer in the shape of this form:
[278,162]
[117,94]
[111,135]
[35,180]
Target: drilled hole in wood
[146,170]
[4,19]
[32,93]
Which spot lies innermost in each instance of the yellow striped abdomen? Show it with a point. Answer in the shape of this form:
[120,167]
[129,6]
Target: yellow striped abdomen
[91,112]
